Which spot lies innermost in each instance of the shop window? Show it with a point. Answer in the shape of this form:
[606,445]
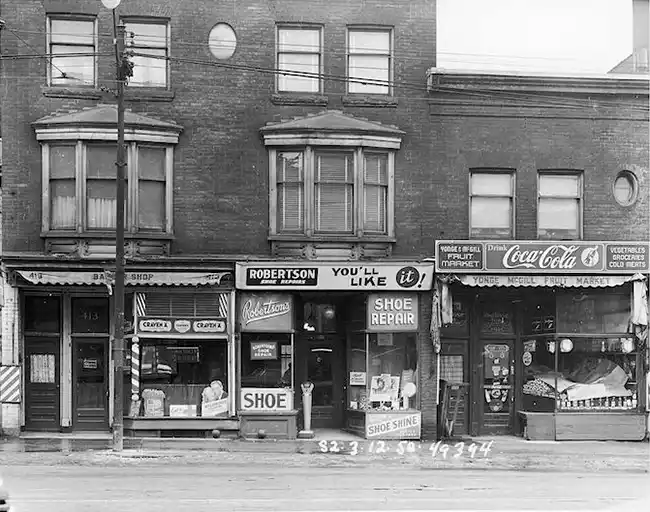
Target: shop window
[626,188]
[266,361]
[42,313]
[496,319]
[492,204]
[184,378]
[559,206]
[72,45]
[149,41]
[370,65]
[319,318]
[593,312]
[300,52]
[90,315]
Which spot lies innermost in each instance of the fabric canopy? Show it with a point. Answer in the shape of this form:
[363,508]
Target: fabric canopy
[568,281]
[130,278]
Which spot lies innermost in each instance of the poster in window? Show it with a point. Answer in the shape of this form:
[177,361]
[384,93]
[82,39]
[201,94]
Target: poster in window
[42,369]
[264,350]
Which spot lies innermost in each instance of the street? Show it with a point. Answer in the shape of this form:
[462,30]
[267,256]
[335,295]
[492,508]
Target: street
[289,482]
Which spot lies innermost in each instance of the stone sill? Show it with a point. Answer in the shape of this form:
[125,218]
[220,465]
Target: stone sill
[93,93]
[106,235]
[318,100]
[332,238]
[363,100]
[81,93]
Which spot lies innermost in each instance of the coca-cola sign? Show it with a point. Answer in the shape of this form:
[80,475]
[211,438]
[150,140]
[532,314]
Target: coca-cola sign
[523,256]
[266,312]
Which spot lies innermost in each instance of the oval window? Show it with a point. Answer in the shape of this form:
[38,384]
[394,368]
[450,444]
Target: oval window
[222,41]
[625,188]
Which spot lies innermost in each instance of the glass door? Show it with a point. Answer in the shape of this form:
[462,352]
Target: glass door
[497,383]
[90,384]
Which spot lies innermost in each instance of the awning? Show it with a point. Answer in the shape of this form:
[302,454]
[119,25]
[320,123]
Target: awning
[572,281]
[130,278]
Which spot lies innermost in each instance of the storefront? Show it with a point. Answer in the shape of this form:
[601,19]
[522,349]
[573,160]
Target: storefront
[354,330]
[178,338]
[549,339]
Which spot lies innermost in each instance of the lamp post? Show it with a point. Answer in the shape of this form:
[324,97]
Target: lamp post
[118,312]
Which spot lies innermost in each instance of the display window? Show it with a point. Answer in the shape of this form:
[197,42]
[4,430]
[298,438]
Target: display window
[383,372]
[184,378]
[266,361]
[583,357]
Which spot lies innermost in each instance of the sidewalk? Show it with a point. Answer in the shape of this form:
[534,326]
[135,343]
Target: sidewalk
[506,452]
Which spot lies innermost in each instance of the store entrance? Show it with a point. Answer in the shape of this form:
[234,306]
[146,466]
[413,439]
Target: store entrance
[42,411]
[90,384]
[323,364]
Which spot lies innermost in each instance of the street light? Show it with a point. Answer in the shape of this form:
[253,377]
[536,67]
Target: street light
[118,312]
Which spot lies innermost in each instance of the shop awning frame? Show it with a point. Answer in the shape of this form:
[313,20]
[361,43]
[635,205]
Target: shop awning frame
[536,280]
[107,278]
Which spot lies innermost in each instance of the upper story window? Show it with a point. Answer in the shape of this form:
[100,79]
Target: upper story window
[328,182]
[492,204]
[559,206]
[299,50]
[149,41]
[72,47]
[79,174]
[370,57]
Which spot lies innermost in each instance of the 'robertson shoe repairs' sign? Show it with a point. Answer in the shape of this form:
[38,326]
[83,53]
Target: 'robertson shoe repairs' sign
[542,257]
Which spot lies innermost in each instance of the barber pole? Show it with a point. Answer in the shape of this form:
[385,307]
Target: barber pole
[10,384]
[135,368]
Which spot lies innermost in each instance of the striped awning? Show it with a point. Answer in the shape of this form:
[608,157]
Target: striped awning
[56,277]
[558,281]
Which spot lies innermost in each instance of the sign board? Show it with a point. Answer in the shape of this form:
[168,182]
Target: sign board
[266,312]
[570,281]
[264,350]
[130,278]
[175,327]
[357,378]
[394,425]
[293,275]
[392,312]
[525,256]
[266,399]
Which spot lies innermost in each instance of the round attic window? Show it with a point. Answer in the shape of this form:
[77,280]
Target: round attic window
[222,41]
[625,188]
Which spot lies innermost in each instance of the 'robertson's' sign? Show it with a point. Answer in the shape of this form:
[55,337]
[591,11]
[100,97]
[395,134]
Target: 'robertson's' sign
[548,257]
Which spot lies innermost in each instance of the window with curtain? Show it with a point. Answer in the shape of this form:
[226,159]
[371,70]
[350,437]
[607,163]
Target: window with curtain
[375,192]
[63,184]
[491,204]
[150,42]
[333,192]
[291,190]
[299,50]
[82,188]
[72,46]
[559,213]
[369,58]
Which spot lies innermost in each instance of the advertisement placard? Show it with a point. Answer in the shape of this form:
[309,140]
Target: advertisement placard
[266,312]
[526,256]
[180,327]
[402,276]
[394,425]
[392,312]
[266,399]
[264,350]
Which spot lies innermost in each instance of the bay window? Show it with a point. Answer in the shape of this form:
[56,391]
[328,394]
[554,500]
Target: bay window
[81,187]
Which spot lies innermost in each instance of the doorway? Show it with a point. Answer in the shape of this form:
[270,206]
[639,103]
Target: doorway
[322,358]
[42,384]
[90,384]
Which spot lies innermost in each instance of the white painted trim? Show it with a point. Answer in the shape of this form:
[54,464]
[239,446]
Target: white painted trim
[80,186]
[273,191]
[230,354]
[61,133]
[65,363]
[169,190]
[328,139]
[45,179]
[390,207]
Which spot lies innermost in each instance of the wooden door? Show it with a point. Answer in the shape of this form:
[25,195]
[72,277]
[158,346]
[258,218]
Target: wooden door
[42,384]
[323,364]
[497,386]
[90,384]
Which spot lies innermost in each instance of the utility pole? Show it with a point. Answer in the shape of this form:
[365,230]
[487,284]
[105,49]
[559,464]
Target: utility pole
[122,74]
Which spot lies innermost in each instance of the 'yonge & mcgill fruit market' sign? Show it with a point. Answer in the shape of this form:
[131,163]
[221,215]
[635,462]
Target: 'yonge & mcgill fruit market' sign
[542,257]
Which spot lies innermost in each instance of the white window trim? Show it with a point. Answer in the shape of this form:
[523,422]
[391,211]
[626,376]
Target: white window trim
[168,34]
[512,197]
[299,26]
[391,144]
[48,31]
[80,137]
[391,56]
[581,201]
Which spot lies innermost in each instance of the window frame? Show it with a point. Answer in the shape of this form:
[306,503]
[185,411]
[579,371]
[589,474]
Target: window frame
[132,181]
[513,202]
[151,21]
[358,209]
[299,26]
[391,56]
[49,44]
[580,199]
